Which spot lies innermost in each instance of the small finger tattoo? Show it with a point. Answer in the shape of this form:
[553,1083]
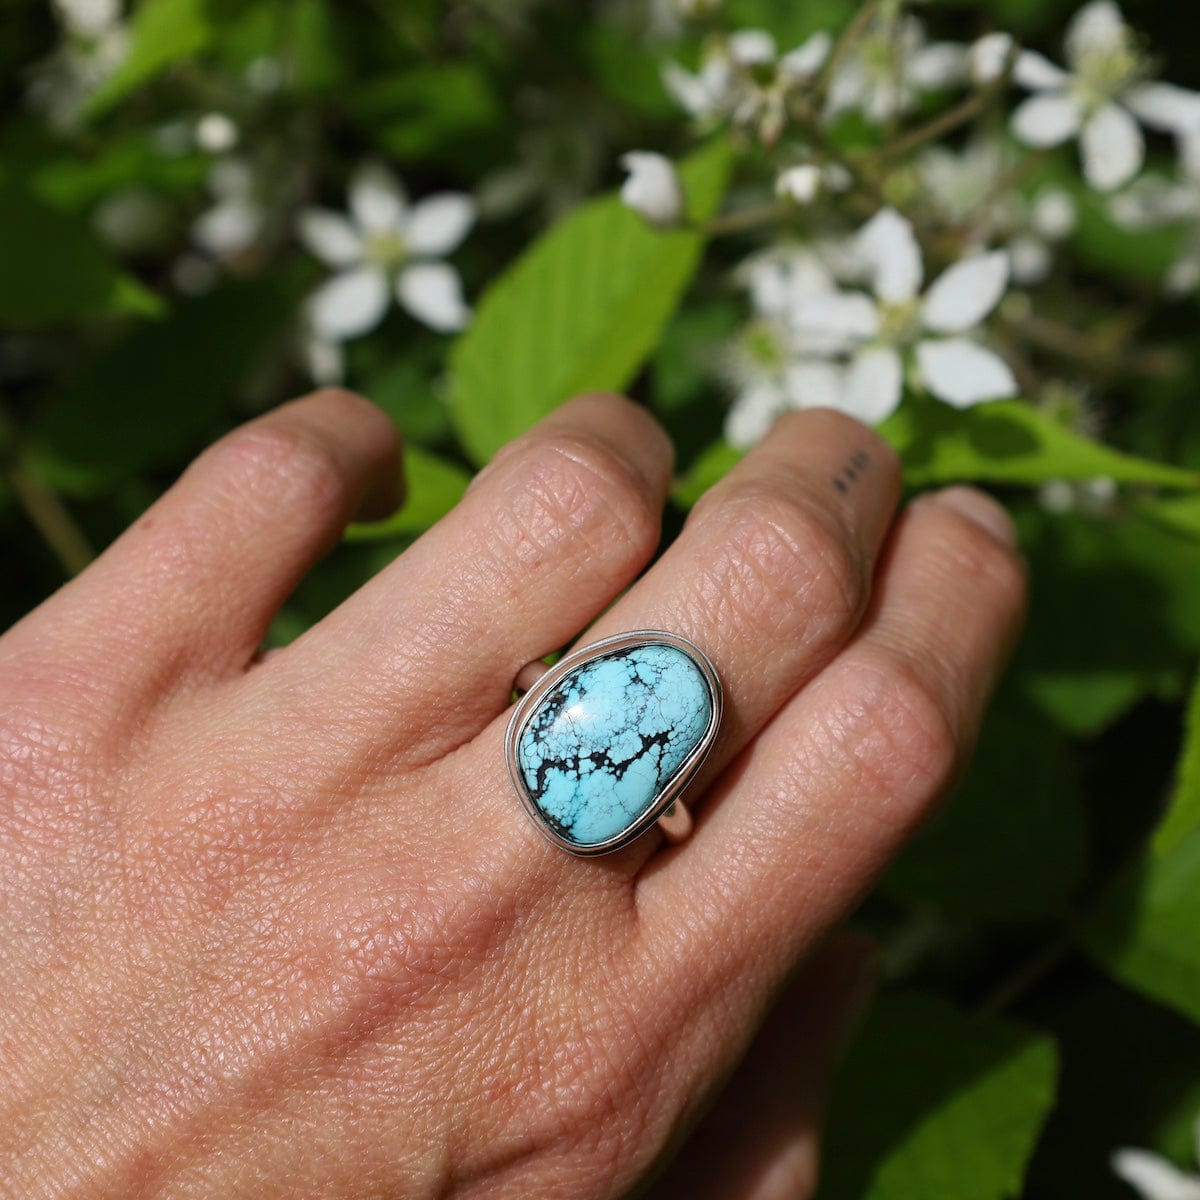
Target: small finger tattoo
[858,463]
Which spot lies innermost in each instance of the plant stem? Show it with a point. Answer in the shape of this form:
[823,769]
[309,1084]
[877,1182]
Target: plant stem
[849,36]
[1025,976]
[747,218]
[50,517]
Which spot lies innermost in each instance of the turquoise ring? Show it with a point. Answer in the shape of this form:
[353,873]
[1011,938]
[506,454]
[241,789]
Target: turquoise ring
[604,743]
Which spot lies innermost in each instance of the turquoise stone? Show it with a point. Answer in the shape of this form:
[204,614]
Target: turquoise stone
[607,739]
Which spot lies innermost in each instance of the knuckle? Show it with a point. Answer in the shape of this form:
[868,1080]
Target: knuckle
[283,461]
[783,554]
[907,747]
[969,552]
[576,488]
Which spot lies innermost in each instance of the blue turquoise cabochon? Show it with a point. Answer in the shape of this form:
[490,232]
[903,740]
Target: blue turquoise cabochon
[596,753]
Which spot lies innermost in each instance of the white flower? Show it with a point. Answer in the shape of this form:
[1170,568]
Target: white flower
[325,359]
[216,133]
[95,44]
[763,364]
[235,222]
[889,67]
[88,19]
[800,184]
[653,189]
[1153,201]
[1093,497]
[1099,97]
[745,79]
[880,334]
[387,246]
[988,56]
[967,191]
[1154,1178]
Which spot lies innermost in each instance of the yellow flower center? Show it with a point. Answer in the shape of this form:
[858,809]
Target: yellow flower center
[900,323]
[764,347]
[1103,74]
[387,250]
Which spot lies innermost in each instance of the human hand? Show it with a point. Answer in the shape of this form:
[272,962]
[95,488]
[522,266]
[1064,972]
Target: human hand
[279,927]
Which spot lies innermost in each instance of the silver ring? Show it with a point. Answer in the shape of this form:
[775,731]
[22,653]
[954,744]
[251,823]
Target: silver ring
[603,744]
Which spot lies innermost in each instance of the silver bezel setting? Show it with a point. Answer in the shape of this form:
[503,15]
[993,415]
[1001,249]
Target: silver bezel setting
[674,789]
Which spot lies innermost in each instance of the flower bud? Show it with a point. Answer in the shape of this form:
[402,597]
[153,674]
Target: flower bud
[653,189]
[799,184]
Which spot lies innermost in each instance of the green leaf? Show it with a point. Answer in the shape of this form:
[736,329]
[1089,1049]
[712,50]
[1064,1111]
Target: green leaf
[1012,843]
[1009,442]
[1113,614]
[160,391]
[434,487]
[53,268]
[425,112]
[1183,814]
[580,310]
[1145,929]
[1005,442]
[933,1103]
[1179,514]
[712,465]
[164,32]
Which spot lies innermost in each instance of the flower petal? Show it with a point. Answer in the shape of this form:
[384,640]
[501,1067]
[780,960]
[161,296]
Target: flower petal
[808,58]
[1037,73]
[1047,119]
[752,414]
[686,89]
[1164,106]
[330,236]
[438,224]
[1031,259]
[1096,30]
[432,292]
[752,47]
[938,65]
[873,385]
[810,384]
[833,323]
[889,250]
[1053,213]
[963,373]
[350,304]
[653,189]
[988,55]
[966,292]
[780,277]
[228,228]
[325,360]
[377,201]
[1154,1177]
[1112,148]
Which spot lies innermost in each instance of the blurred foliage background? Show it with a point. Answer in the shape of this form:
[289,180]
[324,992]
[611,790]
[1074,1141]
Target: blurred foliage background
[1042,939]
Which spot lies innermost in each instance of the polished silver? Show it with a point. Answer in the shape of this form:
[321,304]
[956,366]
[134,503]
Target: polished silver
[668,809]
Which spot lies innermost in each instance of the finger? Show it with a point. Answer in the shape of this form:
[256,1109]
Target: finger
[760,1139]
[425,655]
[771,574]
[196,581]
[814,810]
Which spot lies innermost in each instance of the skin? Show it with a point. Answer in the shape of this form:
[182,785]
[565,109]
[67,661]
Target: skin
[277,926]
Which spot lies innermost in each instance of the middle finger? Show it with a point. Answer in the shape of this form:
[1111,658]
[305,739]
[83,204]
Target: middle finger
[770,576]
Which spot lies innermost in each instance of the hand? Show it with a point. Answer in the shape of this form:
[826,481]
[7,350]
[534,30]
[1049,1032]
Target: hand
[279,927]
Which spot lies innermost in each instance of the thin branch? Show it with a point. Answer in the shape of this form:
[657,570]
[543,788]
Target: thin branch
[745,219]
[50,517]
